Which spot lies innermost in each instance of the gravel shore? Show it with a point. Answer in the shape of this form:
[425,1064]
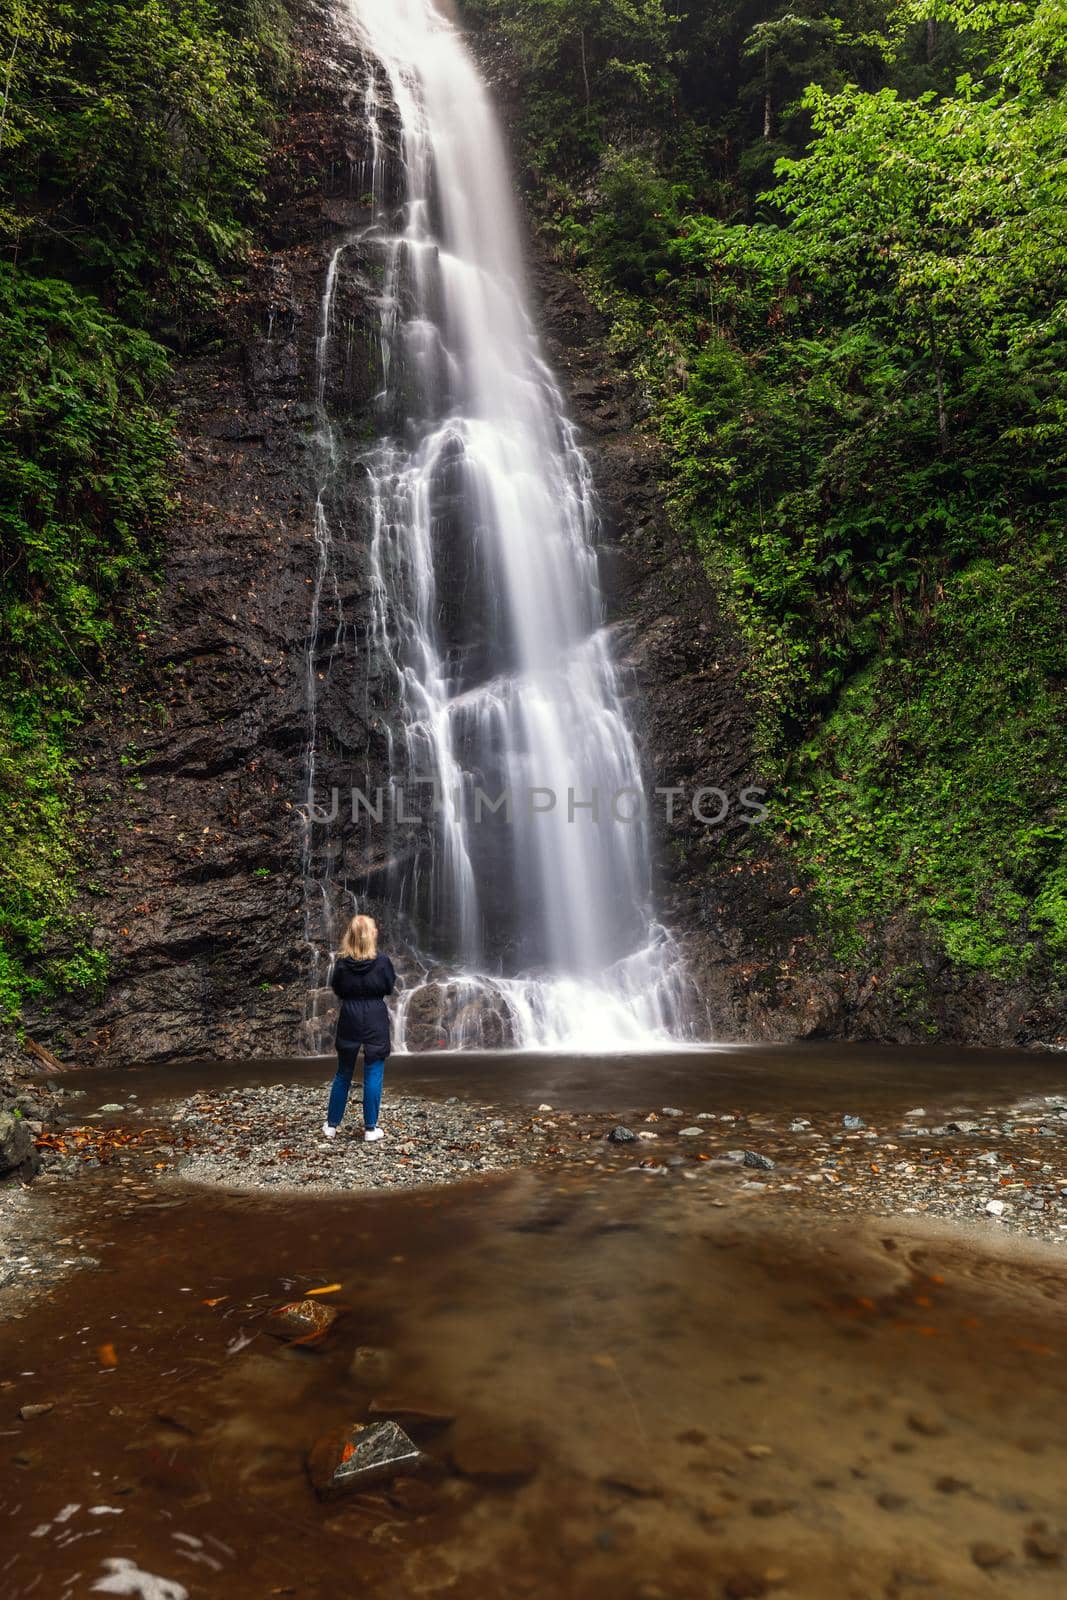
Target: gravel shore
[1003,1168]
[272,1137]
[997,1169]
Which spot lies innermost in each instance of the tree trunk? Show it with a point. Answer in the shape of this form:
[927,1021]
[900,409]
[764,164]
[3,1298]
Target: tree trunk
[10,72]
[766,94]
[939,383]
[585,68]
[931,38]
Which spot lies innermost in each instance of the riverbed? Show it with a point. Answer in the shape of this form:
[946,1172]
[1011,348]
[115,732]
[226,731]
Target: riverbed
[623,1380]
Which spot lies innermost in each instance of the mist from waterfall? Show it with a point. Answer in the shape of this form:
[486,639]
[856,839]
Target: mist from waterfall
[533,928]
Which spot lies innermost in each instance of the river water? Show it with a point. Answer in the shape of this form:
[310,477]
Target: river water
[677,1399]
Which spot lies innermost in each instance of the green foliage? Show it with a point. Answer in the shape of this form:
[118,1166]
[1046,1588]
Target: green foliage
[936,782]
[132,136]
[134,143]
[590,65]
[857,375]
[631,236]
[84,456]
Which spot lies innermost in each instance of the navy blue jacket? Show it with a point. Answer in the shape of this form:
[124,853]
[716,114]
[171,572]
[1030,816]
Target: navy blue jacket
[361,987]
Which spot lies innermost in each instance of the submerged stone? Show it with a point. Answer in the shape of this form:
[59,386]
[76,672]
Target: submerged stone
[365,1452]
[301,1321]
[621,1135]
[370,1364]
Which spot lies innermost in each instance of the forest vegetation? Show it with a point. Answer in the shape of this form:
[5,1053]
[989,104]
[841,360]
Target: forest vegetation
[831,239]
[133,138]
[829,236]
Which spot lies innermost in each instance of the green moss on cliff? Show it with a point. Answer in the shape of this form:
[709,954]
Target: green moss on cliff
[133,137]
[831,247]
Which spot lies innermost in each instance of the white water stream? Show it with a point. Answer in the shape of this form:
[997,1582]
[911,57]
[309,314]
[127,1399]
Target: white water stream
[487,610]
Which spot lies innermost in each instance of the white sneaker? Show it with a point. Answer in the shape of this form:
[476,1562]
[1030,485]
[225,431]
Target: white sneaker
[370,1135]
[328,1132]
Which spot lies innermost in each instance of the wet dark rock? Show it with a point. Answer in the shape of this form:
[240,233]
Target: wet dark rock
[301,1321]
[753,1158]
[622,1135]
[439,1010]
[18,1154]
[362,1454]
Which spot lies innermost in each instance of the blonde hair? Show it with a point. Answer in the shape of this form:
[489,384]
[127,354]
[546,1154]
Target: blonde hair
[361,939]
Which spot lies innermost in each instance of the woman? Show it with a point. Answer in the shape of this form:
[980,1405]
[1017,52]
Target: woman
[361,979]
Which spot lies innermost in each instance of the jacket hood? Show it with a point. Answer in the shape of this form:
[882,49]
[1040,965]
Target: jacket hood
[358,966]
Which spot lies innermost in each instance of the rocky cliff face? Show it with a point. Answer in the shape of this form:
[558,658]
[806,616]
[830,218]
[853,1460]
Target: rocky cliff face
[195,770]
[753,938]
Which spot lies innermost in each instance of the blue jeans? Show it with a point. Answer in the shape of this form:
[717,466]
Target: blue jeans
[373,1073]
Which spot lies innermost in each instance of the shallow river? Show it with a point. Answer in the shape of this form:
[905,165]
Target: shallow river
[653,1397]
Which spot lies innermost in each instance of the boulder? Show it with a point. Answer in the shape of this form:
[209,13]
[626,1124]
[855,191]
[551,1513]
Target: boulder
[301,1321]
[18,1154]
[361,1454]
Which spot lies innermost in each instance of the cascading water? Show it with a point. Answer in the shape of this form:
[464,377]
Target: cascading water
[526,901]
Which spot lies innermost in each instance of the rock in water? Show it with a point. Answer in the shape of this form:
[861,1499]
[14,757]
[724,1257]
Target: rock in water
[366,1452]
[621,1135]
[301,1321]
[854,1122]
[18,1153]
[370,1364]
[29,1412]
[752,1158]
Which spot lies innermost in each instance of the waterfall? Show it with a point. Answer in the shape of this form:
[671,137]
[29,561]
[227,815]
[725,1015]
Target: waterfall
[525,903]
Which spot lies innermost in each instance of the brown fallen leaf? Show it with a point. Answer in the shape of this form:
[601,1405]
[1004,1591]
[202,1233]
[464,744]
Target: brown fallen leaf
[106,1356]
